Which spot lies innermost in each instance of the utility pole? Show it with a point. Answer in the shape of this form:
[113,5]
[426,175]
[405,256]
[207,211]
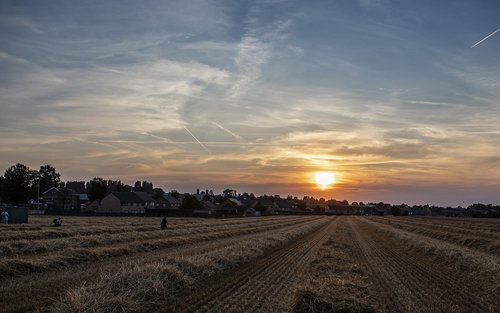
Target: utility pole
[38,201]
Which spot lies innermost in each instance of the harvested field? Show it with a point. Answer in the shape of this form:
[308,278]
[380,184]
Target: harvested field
[267,264]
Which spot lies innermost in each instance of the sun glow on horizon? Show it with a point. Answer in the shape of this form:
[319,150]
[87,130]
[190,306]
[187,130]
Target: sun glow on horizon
[324,179]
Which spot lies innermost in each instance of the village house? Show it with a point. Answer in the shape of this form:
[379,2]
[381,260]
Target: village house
[170,201]
[286,205]
[60,199]
[267,203]
[126,202]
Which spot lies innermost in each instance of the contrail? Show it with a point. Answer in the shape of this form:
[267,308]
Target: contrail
[197,140]
[227,131]
[162,139]
[493,33]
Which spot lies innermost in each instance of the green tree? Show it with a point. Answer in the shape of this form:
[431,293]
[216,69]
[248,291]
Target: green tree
[1,188]
[190,202]
[395,210]
[261,208]
[301,205]
[138,186]
[19,184]
[229,193]
[49,177]
[175,194]
[116,185]
[76,186]
[157,193]
[97,188]
[144,186]
[148,187]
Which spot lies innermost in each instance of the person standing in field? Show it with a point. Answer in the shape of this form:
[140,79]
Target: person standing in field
[163,224]
[5,217]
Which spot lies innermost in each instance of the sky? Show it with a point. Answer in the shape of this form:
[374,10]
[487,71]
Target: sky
[399,99]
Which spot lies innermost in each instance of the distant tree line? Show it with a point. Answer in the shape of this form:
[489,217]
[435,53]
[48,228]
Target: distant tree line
[19,184]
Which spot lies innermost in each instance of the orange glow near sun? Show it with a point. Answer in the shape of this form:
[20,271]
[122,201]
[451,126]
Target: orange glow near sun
[324,179]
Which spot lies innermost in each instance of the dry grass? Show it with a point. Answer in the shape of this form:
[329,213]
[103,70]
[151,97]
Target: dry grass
[484,237]
[143,286]
[479,267]
[459,255]
[125,264]
[21,256]
[336,282]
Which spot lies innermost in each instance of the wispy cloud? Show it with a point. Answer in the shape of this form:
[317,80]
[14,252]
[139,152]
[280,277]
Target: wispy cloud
[448,104]
[255,48]
[10,58]
[271,90]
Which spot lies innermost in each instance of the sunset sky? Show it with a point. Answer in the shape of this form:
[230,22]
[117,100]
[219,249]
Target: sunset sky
[399,99]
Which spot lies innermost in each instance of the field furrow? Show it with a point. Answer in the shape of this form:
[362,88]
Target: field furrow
[290,264]
[29,287]
[481,240]
[109,238]
[258,287]
[40,262]
[412,282]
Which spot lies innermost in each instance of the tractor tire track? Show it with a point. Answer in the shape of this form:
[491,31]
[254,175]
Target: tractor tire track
[413,282]
[261,286]
[33,287]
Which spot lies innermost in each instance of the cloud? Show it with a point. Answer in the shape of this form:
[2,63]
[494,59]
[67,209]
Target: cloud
[273,89]
[21,22]
[7,57]
[255,48]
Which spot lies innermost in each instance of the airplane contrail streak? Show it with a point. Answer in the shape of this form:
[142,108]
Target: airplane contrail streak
[166,140]
[228,131]
[493,33]
[201,144]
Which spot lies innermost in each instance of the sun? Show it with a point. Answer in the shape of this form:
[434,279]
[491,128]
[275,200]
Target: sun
[324,179]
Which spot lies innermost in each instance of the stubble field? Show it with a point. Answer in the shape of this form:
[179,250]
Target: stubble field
[265,264]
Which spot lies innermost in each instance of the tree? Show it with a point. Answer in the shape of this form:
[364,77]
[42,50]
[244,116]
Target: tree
[157,193]
[19,184]
[395,210]
[301,205]
[116,185]
[76,186]
[97,188]
[229,193]
[175,194]
[1,188]
[260,207]
[147,187]
[48,177]
[190,202]
[144,186]
[137,186]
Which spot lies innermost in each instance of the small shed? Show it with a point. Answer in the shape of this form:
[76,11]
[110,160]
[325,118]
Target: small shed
[17,214]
